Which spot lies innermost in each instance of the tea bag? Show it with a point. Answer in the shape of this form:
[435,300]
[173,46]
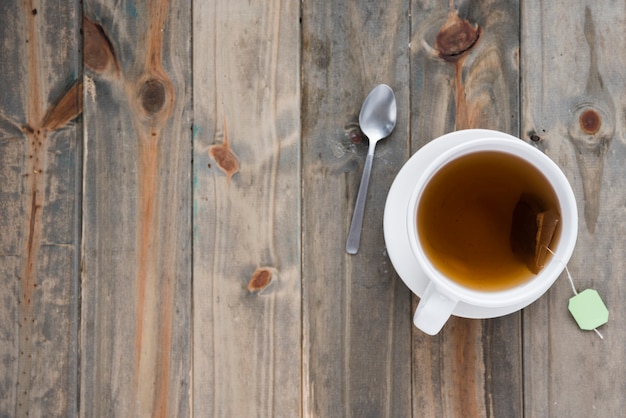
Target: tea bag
[532,230]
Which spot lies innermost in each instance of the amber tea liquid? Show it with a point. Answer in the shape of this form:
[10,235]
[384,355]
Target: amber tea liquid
[465,213]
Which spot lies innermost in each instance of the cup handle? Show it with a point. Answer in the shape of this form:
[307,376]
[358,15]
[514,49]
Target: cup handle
[433,310]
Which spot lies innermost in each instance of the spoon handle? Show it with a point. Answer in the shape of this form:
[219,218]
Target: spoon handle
[354,236]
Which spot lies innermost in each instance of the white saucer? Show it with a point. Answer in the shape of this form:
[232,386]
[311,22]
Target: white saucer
[395,224]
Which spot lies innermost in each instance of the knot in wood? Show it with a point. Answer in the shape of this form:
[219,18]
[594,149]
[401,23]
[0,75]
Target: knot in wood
[152,95]
[261,278]
[590,121]
[456,37]
[225,158]
[355,136]
[98,50]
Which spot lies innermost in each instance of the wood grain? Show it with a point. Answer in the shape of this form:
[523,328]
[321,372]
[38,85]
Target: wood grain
[247,271]
[356,310]
[464,74]
[178,179]
[137,271]
[39,177]
[572,103]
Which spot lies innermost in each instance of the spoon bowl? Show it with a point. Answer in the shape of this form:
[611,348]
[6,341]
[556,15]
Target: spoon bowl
[378,113]
[376,120]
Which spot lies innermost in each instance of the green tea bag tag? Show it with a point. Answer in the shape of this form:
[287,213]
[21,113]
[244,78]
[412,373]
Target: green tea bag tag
[588,310]
[587,307]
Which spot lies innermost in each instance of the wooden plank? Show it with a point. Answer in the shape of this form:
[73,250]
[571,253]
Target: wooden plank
[40,149]
[247,278]
[136,310]
[356,310]
[473,367]
[573,105]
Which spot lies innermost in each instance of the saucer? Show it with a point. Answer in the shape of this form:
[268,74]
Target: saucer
[395,222]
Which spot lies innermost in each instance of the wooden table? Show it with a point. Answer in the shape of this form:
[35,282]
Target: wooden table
[177,181]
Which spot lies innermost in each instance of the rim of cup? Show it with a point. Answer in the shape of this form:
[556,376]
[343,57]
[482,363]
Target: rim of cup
[531,289]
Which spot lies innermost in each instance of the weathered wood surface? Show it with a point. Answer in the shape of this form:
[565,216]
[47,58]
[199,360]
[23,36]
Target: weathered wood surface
[246,215]
[573,104]
[177,248]
[356,333]
[465,75]
[40,152]
[136,285]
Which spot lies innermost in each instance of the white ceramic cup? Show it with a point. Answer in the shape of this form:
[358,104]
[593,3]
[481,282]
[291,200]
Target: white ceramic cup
[442,295]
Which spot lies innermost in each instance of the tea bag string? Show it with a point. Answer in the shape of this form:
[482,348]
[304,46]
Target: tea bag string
[571,282]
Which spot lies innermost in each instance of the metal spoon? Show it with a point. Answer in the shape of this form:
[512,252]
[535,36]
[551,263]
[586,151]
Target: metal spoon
[377,119]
